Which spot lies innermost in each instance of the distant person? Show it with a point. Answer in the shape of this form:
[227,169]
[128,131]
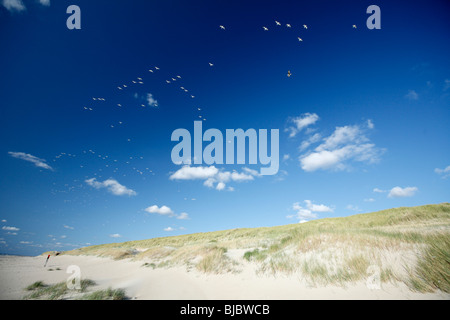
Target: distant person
[48,257]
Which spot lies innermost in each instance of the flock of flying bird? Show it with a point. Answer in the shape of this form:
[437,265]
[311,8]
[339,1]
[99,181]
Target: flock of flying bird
[172,80]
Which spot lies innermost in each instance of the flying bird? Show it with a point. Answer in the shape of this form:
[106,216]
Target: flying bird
[288,25]
[222,27]
[289,73]
[305,26]
[300,39]
[178,77]
[150,71]
[278,24]
[265,29]
[354,26]
[210,64]
[156,68]
[167,81]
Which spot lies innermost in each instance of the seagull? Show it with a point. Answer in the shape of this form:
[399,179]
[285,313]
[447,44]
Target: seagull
[300,39]
[120,88]
[139,79]
[156,68]
[167,81]
[85,108]
[150,71]
[289,73]
[173,79]
[278,24]
[141,82]
[222,27]
[182,88]
[288,25]
[210,64]
[305,26]
[134,81]
[192,97]
[119,105]
[178,77]
[199,109]
[124,85]
[265,29]
[354,26]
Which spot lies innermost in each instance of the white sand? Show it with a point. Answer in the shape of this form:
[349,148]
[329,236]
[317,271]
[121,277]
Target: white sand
[139,282]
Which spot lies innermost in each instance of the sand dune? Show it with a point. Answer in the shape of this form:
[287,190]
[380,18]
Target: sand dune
[400,253]
[179,284]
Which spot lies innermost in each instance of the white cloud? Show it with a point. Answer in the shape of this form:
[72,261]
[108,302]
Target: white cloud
[220,186]
[301,123]
[311,140]
[164,210]
[379,190]
[398,192]
[212,176]
[14,5]
[152,102]
[308,213]
[444,173]
[191,173]
[68,227]
[45,2]
[40,163]
[412,95]
[345,144]
[370,124]
[183,216]
[10,228]
[317,207]
[115,235]
[168,229]
[26,242]
[112,185]
[369,200]
[3,220]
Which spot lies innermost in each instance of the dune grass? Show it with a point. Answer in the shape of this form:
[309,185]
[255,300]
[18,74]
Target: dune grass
[407,244]
[41,291]
[59,291]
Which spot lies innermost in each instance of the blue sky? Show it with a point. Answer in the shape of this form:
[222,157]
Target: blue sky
[87,115]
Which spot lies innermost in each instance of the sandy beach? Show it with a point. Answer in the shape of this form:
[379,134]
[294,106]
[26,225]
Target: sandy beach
[143,283]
